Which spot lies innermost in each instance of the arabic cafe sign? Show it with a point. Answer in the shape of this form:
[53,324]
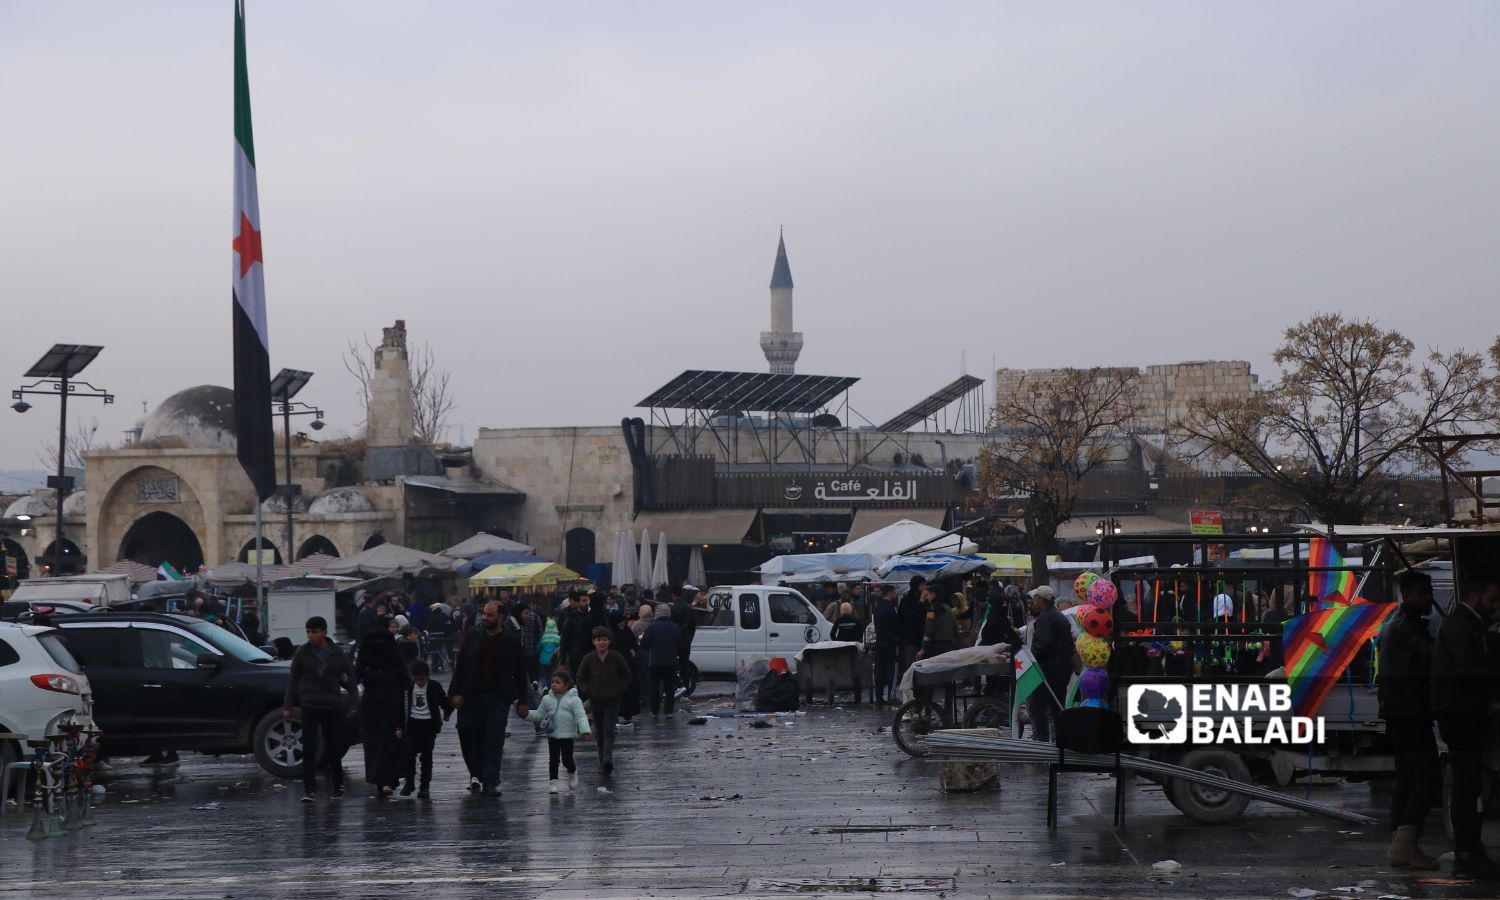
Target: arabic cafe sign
[855,490]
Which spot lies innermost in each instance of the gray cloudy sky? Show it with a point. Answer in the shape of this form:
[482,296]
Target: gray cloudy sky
[572,203]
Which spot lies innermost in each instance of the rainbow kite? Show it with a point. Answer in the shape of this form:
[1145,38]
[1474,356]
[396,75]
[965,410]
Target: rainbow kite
[1323,585]
[1319,646]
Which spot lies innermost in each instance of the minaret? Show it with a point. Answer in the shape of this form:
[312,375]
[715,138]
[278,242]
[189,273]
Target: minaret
[781,344]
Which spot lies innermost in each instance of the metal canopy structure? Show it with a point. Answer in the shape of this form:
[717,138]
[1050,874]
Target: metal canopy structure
[63,361]
[797,414]
[970,415]
[288,382]
[745,392]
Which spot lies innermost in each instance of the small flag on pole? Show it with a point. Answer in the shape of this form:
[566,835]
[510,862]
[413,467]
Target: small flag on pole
[254,434]
[167,571]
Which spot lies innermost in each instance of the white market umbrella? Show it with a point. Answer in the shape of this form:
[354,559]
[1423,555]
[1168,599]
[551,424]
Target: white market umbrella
[643,564]
[659,571]
[624,572]
[695,574]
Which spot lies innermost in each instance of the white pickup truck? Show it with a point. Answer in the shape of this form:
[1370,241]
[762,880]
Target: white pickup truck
[754,620]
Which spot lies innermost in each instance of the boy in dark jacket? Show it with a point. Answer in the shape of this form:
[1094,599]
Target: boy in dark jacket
[659,644]
[603,676]
[426,708]
[320,674]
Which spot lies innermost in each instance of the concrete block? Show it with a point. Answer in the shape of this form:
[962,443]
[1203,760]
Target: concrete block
[967,776]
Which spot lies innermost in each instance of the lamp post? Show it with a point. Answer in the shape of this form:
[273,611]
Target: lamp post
[284,387]
[54,374]
[1108,526]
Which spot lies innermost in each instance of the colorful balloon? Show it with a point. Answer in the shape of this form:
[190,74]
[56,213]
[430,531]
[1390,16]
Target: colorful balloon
[1093,651]
[1093,684]
[1081,585]
[1103,593]
[1098,621]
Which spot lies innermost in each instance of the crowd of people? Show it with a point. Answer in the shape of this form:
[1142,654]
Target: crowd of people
[576,672]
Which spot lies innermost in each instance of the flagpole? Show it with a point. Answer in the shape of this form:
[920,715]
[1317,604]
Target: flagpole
[260,586]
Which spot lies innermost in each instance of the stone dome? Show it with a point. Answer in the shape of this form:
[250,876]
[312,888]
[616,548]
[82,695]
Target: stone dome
[341,500]
[276,505]
[76,505]
[200,418]
[38,506]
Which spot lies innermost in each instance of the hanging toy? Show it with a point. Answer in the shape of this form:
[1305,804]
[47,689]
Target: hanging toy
[1103,593]
[1093,651]
[1093,685]
[1098,621]
[1081,585]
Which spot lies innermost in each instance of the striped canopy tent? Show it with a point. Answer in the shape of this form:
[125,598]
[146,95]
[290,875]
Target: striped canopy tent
[138,573]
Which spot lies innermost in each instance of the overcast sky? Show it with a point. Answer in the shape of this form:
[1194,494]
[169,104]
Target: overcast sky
[573,203]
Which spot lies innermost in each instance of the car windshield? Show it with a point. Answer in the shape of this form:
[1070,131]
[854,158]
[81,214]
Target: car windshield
[235,646]
[59,652]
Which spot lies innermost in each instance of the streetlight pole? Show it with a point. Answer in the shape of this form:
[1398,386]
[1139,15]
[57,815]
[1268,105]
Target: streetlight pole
[55,372]
[284,386]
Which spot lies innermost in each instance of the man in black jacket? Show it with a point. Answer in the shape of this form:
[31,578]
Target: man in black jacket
[489,674]
[687,622]
[1405,705]
[1052,645]
[1462,679]
[911,623]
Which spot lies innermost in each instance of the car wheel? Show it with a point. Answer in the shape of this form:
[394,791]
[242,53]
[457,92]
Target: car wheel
[1210,805]
[278,745]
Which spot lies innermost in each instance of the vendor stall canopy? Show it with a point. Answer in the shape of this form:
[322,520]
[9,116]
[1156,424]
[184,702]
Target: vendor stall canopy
[527,575]
[907,536]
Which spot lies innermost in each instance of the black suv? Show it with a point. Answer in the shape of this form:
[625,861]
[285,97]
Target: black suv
[169,682]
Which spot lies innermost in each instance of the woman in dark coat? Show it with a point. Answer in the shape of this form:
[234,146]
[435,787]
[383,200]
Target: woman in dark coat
[384,678]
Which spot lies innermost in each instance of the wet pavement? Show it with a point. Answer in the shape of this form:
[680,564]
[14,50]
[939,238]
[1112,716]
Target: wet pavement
[819,804]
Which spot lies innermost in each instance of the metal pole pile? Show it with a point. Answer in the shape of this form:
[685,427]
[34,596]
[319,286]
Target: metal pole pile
[974,746]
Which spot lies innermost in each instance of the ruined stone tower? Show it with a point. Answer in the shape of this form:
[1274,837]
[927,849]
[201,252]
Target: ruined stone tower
[391,418]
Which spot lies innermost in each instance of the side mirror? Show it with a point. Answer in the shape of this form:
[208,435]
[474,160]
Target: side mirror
[209,662]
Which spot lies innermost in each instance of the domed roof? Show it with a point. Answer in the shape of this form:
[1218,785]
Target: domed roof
[200,418]
[341,500]
[76,504]
[35,505]
[276,505]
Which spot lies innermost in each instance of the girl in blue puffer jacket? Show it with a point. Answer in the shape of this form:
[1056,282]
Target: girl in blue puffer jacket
[562,717]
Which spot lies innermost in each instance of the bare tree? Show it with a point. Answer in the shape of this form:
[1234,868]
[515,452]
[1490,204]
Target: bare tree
[1049,435]
[432,397]
[81,440]
[1343,419]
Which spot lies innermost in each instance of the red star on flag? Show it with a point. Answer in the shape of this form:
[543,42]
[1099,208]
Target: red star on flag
[247,245]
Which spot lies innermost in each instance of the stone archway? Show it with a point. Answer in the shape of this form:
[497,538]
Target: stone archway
[578,549]
[317,544]
[247,552]
[159,537]
[18,558]
[138,493]
[375,540]
[72,559]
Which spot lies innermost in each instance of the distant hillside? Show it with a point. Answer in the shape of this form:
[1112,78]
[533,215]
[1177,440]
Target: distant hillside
[19,481]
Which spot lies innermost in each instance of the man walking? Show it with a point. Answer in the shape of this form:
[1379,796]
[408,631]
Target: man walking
[320,671]
[489,675]
[1405,705]
[1052,646]
[1462,679]
[659,644]
[603,676]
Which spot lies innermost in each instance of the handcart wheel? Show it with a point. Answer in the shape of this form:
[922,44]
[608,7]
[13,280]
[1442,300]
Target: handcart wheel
[985,714]
[914,721]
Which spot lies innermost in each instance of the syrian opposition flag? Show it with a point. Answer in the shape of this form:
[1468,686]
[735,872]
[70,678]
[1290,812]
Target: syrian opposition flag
[1028,679]
[255,438]
[167,572]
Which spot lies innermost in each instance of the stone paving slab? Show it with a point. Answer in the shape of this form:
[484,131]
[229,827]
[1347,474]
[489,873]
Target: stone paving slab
[829,798]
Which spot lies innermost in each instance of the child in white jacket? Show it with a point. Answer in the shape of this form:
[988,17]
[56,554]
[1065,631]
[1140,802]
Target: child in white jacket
[562,717]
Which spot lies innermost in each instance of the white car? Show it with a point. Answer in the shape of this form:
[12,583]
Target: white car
[42,687]
[754,621]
